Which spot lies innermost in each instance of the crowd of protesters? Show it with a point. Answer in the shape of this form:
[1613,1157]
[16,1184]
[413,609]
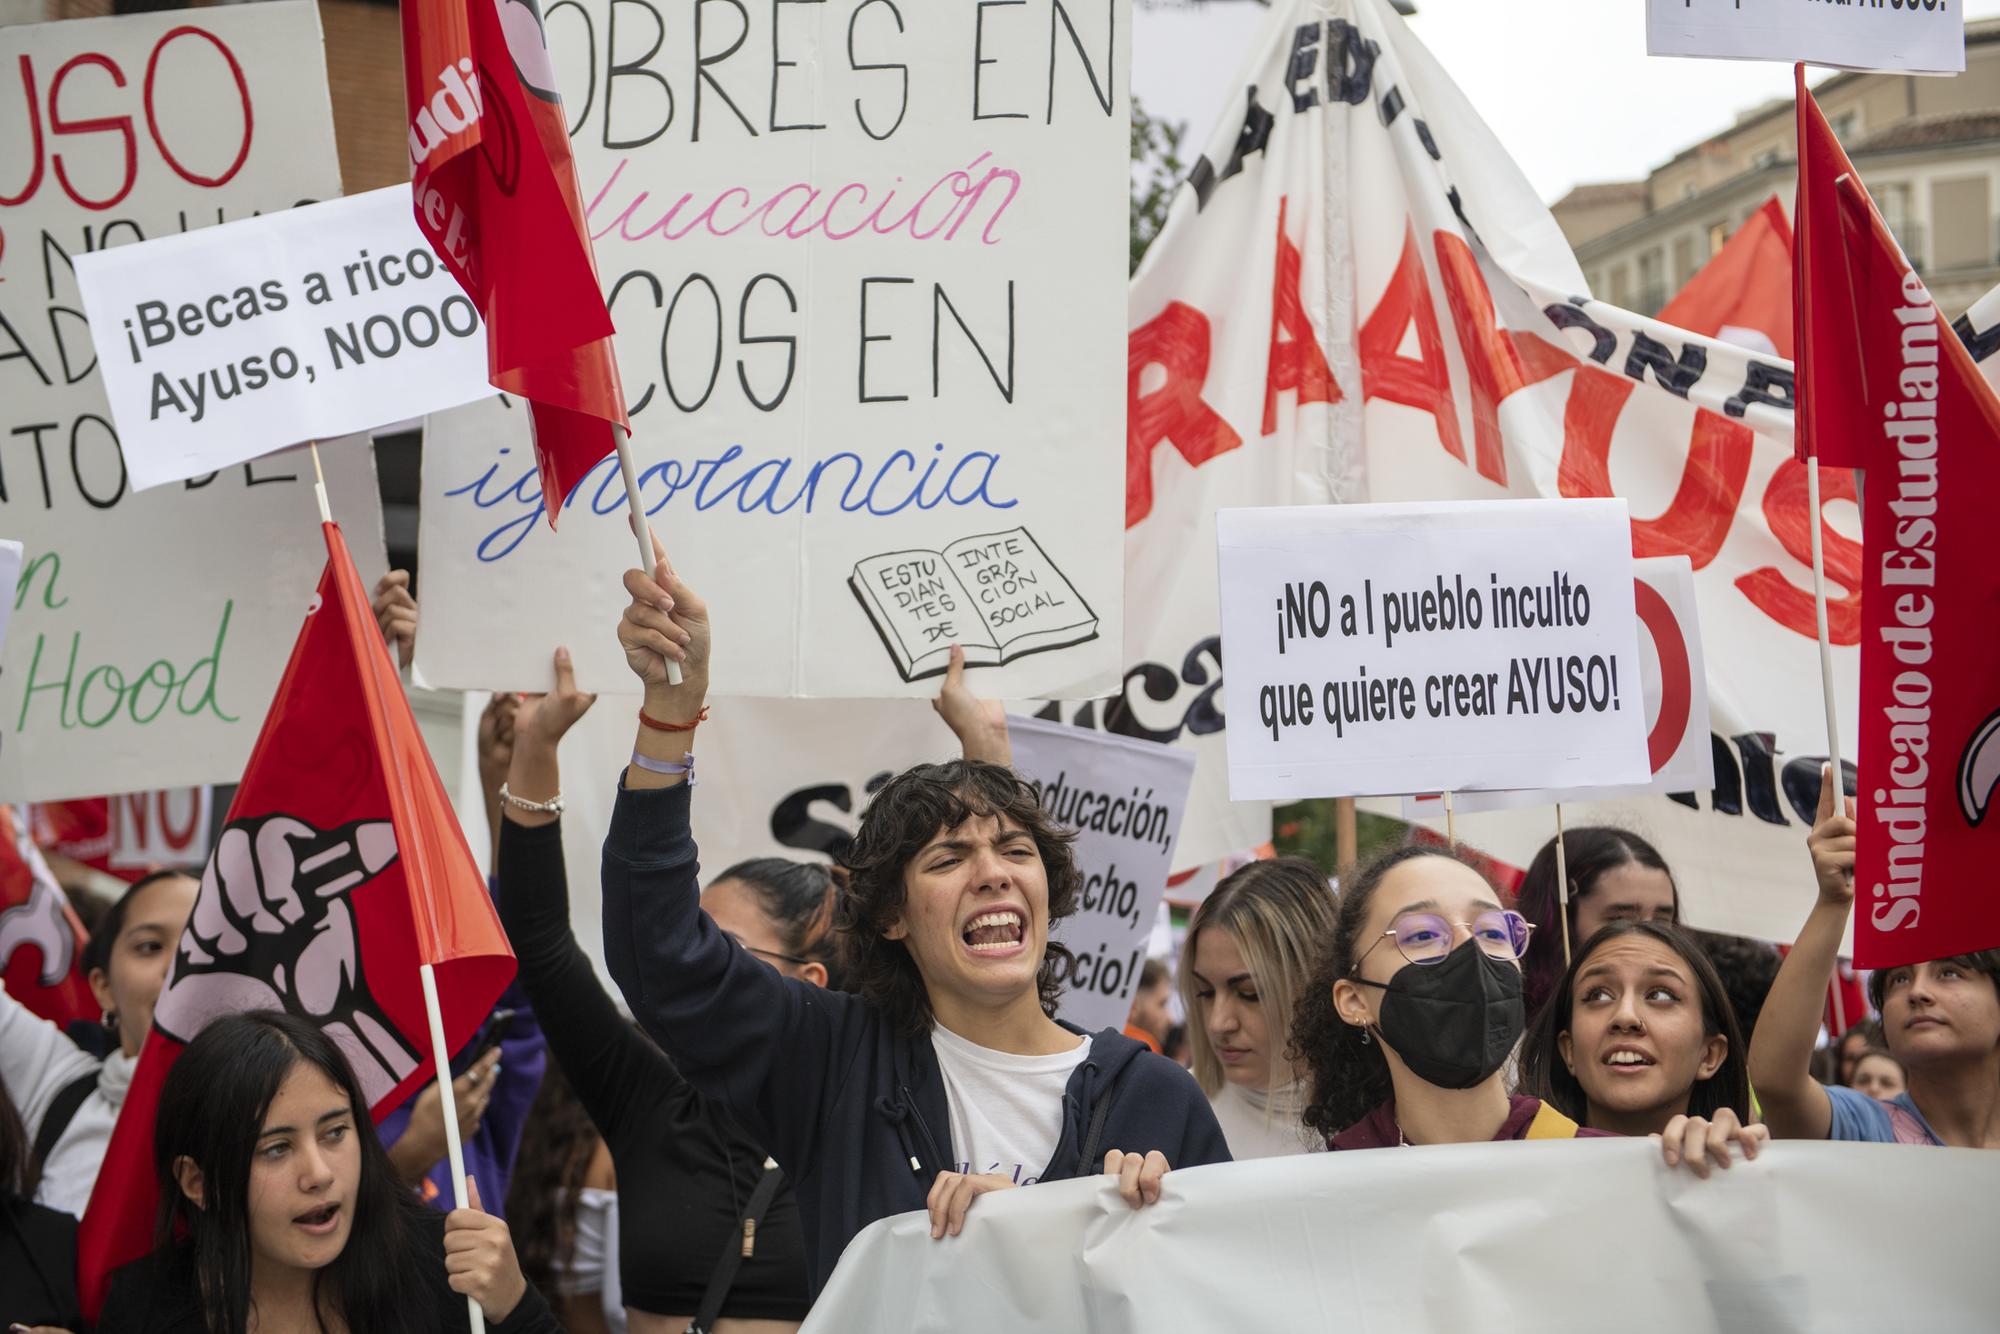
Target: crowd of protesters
[813,1047]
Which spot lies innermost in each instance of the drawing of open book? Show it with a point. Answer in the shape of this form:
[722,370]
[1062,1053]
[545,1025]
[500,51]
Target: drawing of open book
[998,594]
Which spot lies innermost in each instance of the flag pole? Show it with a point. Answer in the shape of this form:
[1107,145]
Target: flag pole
[319,483]
[1562,883]
[448,1104]
[640,529]
[1814,522]
[1450,823]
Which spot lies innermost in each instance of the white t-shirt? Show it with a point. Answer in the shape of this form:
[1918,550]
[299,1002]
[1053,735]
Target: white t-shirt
[1006,1110]
[1258,1124]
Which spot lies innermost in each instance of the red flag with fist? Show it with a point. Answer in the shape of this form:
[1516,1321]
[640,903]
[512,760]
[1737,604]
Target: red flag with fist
[340,870]
[495,192]
[1885,386]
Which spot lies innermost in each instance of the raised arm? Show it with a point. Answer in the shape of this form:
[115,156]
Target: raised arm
[618,1075]
[979,724]
[769,1047]
[1795,1105]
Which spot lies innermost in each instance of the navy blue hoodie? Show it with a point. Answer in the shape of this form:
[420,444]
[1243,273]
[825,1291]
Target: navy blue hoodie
[853,1110]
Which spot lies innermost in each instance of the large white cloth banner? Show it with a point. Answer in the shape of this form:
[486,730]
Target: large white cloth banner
[866,266]
[1481,645]
[225,343]
[1124,799]
[1583,1235]
[151,629]
[1359,296]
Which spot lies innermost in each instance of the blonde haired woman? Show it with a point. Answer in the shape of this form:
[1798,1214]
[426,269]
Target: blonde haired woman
[1250,950]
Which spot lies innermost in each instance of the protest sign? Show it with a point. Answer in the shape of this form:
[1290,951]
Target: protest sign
[1377,213]
[1676,693]
[149,630]
[1918,36]
[225,343]
[10,578]
[1550,1237]
[1405,648]
[1124,799]
[168,827]
[869,287]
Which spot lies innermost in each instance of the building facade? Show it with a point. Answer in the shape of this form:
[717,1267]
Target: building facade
[1928,150]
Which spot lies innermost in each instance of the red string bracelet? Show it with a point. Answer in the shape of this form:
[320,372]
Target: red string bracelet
[659,726]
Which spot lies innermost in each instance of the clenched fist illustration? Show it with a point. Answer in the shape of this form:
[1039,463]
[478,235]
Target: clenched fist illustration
[273,929]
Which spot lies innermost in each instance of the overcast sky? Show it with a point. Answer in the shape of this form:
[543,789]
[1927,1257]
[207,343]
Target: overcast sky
[1566,84]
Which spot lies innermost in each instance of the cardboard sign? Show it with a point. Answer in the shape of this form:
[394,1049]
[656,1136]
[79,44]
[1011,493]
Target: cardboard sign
[163,828]
[1671,669]
[223,344]
[149,630]
[867,266]
[1125,800]
[1413,647]
[1917,36]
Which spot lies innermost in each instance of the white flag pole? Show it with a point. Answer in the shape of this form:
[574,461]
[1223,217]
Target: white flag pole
[448,1100]
[639,528]
[1825,640]
[319,484]
[1562,883]
[1450,823]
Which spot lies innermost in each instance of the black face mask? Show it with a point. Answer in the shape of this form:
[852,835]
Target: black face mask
[1454,1023]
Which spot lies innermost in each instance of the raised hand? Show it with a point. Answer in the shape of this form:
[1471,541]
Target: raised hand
[666,621]
[979,724]
[396,613]
[543,719]
[1831,842]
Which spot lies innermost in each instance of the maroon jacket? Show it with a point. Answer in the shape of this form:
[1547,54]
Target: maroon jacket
[1378,1129]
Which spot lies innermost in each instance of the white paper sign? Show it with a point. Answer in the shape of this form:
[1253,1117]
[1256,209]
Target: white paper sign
[1125,800]
[867,265]
[1919,36]
[1415,647]
[10,577]
[1678,743]
[149,630]
[1551,1236]
[223,344]
[168,827]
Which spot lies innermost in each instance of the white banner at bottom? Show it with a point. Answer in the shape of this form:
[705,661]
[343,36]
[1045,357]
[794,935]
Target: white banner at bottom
[1583,1235]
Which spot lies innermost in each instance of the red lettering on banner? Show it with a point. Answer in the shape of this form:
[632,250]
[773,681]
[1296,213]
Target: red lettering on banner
[1676,673]
[1776,596]
[34,136]
[1698,519]
[1295,362]
[1493,360]
[1422,382]
[122,124]
[1177,341]
[242,93]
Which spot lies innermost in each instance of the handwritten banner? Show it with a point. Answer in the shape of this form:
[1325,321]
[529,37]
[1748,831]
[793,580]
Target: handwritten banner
[867,265]
[1125,800]
[1416,647]
[222,344]
[149,630]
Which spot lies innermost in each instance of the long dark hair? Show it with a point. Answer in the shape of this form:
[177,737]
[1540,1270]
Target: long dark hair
[1544,1074]
[18,1172]
[1350,1078]
[97,953]
[797,898]
[1588,852]
[211,1112]
[906,815]
[557,1143]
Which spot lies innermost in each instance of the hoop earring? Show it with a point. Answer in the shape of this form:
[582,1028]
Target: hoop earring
[1366,1036]
[111,1020]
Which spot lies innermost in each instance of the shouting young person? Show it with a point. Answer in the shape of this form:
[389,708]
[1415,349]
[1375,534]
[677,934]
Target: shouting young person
[945,1076]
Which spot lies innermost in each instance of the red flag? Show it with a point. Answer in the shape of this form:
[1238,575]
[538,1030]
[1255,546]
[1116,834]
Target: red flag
[1885,386]
[1744,294]
[341,869]
[81,831]
[495,193]
[41,942]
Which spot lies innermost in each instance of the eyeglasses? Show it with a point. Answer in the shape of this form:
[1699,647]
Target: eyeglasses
[1426,937]
[768,954]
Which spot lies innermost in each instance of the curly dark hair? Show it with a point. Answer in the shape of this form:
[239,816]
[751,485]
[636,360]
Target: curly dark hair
[557,1144]
[1349,1077]
[905,816]
[1544,1074]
